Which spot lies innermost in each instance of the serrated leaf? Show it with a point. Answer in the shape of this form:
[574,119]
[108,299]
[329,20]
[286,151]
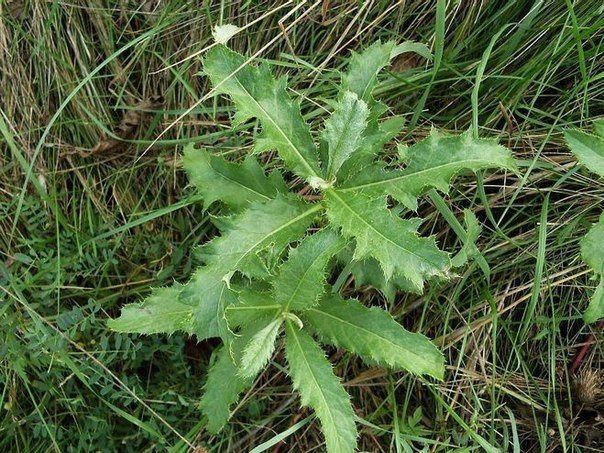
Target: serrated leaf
[225,383]
[373,334]
[221,390]
[344,131]
[588,148]
[364,67]
[209,294]
[237,186]
[319,388]
[361,79]
[251,306]
[432,163]
[392,241]
[258,95]
[592,252]
[161,312]
[368,272]
[259,350]
[301,279]
[375,137]
[273,225]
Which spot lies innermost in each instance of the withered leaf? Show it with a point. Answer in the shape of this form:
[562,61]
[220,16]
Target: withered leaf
[132,122]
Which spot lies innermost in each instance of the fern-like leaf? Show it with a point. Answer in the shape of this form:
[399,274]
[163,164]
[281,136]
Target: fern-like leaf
[319,388]
[258,95]
[373,334]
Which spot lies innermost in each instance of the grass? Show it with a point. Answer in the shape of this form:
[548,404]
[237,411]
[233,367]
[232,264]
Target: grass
[83,234]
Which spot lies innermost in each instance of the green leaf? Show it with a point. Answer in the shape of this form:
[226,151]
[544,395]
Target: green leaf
[588,148]
[595,309]
[368,272]
[221,390]
[432,163]
[209,294]
[257,94]
[262,226]
[363,69]
[344,130]
[598,126]
[376,136]
[235,185]
[592,252]
[301,279]
[374,335]
[415,47]
[252,305]
[271,225]
[319,388]
[468,250]
[260,349]
[390,240]
[225,381]
[361,79]
[161,312]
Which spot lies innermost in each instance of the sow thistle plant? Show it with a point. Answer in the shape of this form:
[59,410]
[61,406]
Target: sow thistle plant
[264,280]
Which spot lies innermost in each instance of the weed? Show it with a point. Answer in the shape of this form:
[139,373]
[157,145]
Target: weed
[245,292]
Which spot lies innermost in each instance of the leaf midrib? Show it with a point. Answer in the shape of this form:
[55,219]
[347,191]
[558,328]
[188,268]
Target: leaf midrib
[223,176]
[288,141]
[311,373]
[341,139]
[334,193]
[308,212]
[372,333]
[417,174]
[256,307]
[301,280]
[245,253]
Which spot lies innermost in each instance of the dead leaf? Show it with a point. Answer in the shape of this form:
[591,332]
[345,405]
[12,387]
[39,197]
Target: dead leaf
[132,123]
[406,61]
